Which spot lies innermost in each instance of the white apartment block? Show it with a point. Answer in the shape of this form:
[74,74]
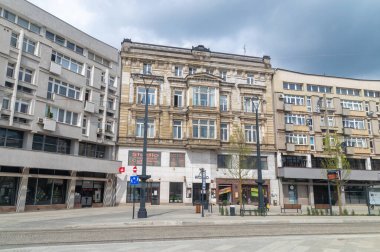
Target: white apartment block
[59,98]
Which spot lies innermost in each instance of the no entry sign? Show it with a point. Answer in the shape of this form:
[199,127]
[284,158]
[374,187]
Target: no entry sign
[134,169]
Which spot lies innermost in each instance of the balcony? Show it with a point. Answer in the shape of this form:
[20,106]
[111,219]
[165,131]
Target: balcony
[348,112]
[351,131]
[358,151]
[211,144]
[294,108]
[315,173]
[290,147]
[55,68]
[48,124]
[89,107]
[329,108]
[294,127]
[302,148]
[47,160]
[330,126]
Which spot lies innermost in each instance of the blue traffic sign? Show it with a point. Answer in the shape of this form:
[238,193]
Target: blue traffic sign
[134,180]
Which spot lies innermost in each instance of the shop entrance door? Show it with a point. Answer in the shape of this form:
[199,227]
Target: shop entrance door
[152,193]
[321,194]
[197,188]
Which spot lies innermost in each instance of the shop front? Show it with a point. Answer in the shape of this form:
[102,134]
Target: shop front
[197,190]
[89,193]
[176,192]
[152,193]
[227,191]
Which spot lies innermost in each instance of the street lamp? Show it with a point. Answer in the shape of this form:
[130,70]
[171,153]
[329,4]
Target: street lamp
[142,213]
[262,209]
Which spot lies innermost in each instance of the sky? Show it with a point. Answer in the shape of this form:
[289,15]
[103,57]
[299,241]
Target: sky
[331,37]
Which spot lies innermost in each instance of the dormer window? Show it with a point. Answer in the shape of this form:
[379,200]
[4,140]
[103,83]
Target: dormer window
[147,68]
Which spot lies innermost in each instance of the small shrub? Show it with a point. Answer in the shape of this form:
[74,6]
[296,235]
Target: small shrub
[321,212]
[352,212]
[316,212]
[345,212]
[308,211]
[227,211]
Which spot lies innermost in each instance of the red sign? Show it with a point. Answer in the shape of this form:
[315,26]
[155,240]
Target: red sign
[152,158]
[134,169]
[121,169]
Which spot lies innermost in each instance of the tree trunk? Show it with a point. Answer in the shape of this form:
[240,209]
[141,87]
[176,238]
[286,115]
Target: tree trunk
[338,189]
[240,190]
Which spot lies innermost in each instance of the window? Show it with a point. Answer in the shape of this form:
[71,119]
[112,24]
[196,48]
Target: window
[178,98]
[177,159]
[356,163]
[140,128]
[11,138]
[318,88]
[353,123]
[224,132]
[67,62]
[44,191]
[308,104]
[204,96]
[223,75]
[110,104]
[250,133]
[35,28]
[62,115]
[348,91]
[312,143]
[369,126]
[292,86]
[356,142]
[109,126]
[192,70]
[223,103]
[51,144]
[25,75]
[5,104]
[99,59]
[178,71]
[141,96]
[84,125]
[204,129]
[209,71]
[330,121]
[22,106]
[8,189]
[14,39]
[293,161]
[177,129]
[298,139]
[147,68]
[371,93]
[9,16]
[294,99]
[250,162]
[28,46]
[250,79]
[10,70]
[250,104]
[62,88]
[224,161]
[92,150]
[352,105]
[295,119]
[375,164]
[23,23]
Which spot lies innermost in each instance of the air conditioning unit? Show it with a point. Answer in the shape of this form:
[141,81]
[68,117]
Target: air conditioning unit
[281,97]
[40,120]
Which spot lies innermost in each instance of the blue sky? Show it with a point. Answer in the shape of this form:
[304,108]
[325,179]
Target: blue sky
[335,37]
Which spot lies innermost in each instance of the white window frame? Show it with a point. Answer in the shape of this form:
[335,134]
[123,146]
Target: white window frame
[353,123]
[14,40]
[177,129]
[297,139]
[295,119]
[223,75]
[250,79]
[312,143]
[178,71]
[352,105]
[201,92]
[223,102]
[25,75]
[62,88]
[64,116]
[294,99]
[250,133]
[192,70]
[67,62]
[7,100]
[199,125]
[308,104]
[250,104]
[141,96]
[224,132]
[140,128]
[11,68]
[292,86]
[357,142]
[348,91]
[147,68]
[178,95]
[29,46]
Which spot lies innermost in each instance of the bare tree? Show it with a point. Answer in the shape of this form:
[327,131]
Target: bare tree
[337,160]
[240,151]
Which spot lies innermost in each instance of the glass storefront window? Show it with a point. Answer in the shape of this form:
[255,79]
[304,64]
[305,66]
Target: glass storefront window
[44,191]
[8,191]
[176,192]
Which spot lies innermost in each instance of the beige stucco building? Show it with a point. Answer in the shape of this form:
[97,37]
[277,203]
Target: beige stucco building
[306,107]
[196,98]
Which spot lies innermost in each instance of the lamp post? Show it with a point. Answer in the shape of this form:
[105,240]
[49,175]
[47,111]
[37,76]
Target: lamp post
[260,182]
[142,213]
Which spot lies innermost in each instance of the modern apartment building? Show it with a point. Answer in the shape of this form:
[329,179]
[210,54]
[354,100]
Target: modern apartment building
[59,95]
[196,98]
[308,106]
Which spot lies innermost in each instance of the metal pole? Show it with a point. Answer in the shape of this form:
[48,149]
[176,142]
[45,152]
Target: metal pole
[133,202]
[202,192]
[142,213]
[258,164]
[328,186]
[367,200]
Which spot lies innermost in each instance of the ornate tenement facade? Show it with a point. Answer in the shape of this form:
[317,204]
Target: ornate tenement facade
[59,94]
[196,97]
[306,107]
